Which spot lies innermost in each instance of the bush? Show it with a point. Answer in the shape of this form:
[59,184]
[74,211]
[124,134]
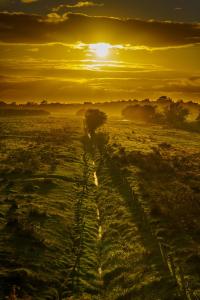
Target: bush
[101,140]
[94,118]
[176,114]
[139,113]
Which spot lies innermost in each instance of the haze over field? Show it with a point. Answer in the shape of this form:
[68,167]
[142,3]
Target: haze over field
[99,50]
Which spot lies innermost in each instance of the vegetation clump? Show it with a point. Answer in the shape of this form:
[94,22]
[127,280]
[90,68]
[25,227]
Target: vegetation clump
[94,118]
[175,114]
[9,112]
[139,112]
[82,215]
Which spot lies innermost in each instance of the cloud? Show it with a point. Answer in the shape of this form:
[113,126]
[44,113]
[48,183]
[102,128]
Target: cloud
[185,86]
[75,69]
[51,89]
[56,89]
[79,4]
[73,27]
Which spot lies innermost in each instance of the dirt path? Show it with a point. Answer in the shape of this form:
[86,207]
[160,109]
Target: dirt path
[100,232]
[120,260]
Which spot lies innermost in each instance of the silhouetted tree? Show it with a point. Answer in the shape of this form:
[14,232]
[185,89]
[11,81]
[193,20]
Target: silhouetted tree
[43,102]
[101,141]
[176,114]
[164,100]
[94,118]
[2,103]
[139,112]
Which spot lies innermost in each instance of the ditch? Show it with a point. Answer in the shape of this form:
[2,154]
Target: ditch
[121,254]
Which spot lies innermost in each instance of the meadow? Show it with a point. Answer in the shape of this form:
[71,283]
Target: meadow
[161,166]
[109,217]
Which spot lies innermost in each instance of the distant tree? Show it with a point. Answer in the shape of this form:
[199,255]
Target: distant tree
[146,101]
[2,103]
[29,103]
[139,112]
[176,114]
[94,118]
[164,99]
[43,102]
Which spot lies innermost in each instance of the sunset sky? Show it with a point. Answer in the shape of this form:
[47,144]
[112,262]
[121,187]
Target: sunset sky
[72,51]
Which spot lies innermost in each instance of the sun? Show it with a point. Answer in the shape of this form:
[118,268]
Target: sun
[100,49]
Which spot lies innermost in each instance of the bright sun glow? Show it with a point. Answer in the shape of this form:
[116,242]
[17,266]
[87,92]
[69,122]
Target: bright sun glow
[100,49]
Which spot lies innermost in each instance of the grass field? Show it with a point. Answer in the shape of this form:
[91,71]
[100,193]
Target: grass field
[80,221]
[162,166]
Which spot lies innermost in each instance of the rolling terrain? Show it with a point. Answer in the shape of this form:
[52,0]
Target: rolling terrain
[111,217]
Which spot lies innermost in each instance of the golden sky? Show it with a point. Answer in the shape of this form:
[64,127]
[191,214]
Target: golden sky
[84,50]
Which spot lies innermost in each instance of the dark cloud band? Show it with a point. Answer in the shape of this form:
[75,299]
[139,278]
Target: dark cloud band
[70,28]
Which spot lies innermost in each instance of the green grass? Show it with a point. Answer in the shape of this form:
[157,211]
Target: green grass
[37,207]
[50,246]
[162,166]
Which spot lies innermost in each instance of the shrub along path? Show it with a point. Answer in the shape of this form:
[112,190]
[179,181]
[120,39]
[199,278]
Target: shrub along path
[129,263]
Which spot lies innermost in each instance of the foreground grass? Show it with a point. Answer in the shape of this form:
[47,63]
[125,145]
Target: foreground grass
[62,237]
[162,167]
[41,175]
